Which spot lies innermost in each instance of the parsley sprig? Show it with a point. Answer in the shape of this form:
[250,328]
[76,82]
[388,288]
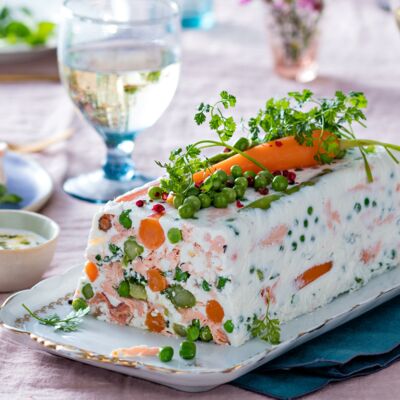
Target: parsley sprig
[69,323]
[267,328]
[184,162]
[299,114]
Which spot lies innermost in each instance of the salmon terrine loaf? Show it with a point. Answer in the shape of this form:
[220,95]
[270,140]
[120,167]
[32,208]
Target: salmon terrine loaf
[148,268]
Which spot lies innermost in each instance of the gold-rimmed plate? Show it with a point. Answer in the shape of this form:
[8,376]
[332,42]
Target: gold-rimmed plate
[213,366]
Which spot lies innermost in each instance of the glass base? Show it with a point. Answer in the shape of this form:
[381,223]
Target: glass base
[201,21]
[94,187]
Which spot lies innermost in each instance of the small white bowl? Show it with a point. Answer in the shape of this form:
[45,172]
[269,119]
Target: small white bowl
[22,268]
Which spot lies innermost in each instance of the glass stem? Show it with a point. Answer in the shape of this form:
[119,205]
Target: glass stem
[119,165]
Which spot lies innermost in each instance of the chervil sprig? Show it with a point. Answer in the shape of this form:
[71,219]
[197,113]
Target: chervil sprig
[69,323]
[183,163]
[267,328]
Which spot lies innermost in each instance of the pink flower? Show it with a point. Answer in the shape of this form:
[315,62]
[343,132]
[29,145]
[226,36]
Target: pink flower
[312,5]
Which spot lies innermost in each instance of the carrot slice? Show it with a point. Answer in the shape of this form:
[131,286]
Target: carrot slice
[157,281]
[155,321]
[282,154]
[151,233]
[312,274]
[91,271]
[132,195]
[214,311]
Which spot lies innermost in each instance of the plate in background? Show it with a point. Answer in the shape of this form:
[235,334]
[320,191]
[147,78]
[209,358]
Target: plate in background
[27,179]
[42,10]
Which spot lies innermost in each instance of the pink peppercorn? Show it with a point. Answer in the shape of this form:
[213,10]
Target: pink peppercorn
[239,204]
[278,143]
[158,208]
[140,203]
[250,181]
[276,173]
[285,173]
[263,191]
[291,176]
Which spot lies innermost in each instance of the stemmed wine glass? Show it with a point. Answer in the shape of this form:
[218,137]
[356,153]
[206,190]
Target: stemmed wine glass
[120,62]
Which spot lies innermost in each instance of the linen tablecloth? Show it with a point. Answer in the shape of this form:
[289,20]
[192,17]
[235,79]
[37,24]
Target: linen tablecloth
[360,50]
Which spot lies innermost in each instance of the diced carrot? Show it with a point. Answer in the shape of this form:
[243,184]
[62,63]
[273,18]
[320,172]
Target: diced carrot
[283,154]
[151,233]
[214,311]
[155,321]
[312,274]
[157,281]
[91,271]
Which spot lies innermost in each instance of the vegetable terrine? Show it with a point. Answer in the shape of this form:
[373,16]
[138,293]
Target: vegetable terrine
[229,268]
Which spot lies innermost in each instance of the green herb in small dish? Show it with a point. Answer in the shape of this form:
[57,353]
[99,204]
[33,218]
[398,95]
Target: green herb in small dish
[8,198]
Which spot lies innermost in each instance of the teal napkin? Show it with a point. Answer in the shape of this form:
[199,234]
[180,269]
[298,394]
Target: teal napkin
[360,347]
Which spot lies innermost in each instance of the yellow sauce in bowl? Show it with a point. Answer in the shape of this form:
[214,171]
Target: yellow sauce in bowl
[17,239]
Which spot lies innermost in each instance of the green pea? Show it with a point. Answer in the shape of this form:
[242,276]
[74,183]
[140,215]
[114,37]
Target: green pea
[220,200]
[174,235]
[196,322]
[186,211]
[166,354]
[155,192]
[193,333]
[260,182]
[180,330]
[132,249]
[242,144]
[240,191]
[192,191]
[249,174]
[280,183]
[79,304]
[228,326]
[137,291]
[221,175]
[187,350]
[194,201]
[123,289]
[205,334]
[87,291]
[213,182]
[230,181]
[125,220]
[180,297]
[241,181]
[230,194]
[236,171]
[178,200]
[267,175]
[205,200]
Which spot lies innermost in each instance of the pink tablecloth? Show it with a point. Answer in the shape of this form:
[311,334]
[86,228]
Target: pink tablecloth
[360,50]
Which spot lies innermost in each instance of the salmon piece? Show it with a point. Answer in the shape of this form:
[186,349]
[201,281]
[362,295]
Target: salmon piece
[369,255]
[136,351]
[332,215]
[276,235]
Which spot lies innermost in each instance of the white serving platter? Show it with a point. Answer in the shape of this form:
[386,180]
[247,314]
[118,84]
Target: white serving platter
[213,366]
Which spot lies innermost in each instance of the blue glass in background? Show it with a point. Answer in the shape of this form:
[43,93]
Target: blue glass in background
[197,14]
